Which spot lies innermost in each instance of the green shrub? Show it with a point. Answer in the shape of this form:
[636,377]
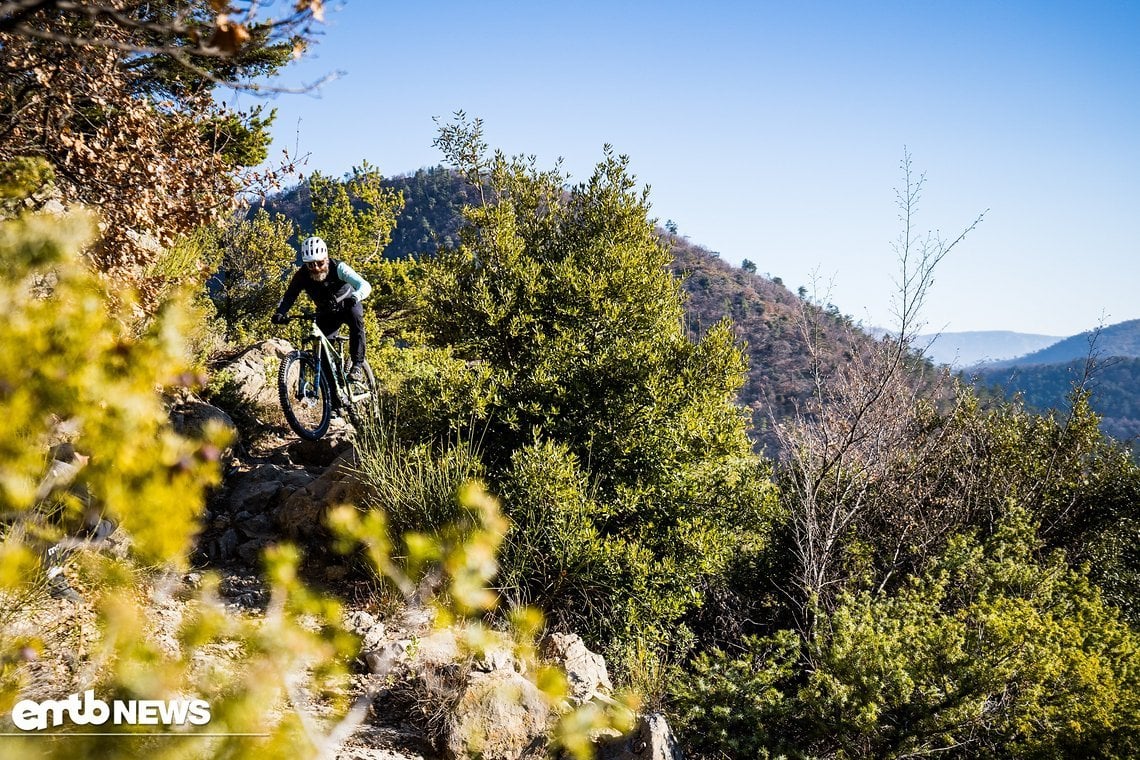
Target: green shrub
[741,704]
[990,652]
[554,336]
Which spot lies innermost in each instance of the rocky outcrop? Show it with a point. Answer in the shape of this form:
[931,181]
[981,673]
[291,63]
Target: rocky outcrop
[252,376]
[586,673]
[483,705]
[325,451]
[300,515]
[651,739]
[283,492]
[469,705]
[500,715]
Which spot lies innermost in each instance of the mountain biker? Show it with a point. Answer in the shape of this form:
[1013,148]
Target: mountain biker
[336,290]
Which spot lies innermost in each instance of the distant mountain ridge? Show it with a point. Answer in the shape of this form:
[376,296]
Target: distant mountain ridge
[1114,384]
[966,349]
[1106,361]
[1121,339]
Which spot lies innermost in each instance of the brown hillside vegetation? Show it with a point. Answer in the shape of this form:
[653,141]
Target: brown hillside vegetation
[771,323]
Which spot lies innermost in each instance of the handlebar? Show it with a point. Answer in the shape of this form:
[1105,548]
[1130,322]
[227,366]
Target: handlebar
[310,316]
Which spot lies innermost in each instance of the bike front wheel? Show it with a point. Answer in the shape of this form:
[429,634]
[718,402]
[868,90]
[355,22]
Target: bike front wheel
[305,400]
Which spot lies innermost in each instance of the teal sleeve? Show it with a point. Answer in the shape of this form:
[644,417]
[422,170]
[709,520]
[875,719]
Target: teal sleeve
[358,283]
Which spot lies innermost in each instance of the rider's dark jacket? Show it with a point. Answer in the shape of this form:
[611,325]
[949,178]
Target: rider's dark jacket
[329,295]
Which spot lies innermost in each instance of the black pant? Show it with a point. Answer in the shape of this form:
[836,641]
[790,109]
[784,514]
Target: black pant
[330,321]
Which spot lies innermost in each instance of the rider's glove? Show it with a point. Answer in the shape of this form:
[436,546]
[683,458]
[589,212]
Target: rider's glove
[278,318]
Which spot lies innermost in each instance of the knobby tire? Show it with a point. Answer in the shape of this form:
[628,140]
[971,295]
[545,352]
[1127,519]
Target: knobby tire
[365,409]
[307,408]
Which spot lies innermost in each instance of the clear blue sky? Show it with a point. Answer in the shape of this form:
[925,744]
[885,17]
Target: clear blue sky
[773,131]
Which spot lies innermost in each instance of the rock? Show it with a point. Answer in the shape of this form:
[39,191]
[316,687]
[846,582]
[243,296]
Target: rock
[259,488]
[435,652]
[436,649]
[252,494]
[301,514]
[651,739]
[586,672]
[191,416]
[54,206]
[251,551]
[370,631]
[360,621]
[324,451]
[500,716]
[258,526]
[228,544]
[252,376]
[497,659]
[382,661]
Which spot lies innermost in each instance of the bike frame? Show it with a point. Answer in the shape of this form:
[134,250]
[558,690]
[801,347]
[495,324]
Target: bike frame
[339,380]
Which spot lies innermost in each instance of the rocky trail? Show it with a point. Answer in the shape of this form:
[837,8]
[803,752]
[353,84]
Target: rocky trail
[418,691]
[424,699]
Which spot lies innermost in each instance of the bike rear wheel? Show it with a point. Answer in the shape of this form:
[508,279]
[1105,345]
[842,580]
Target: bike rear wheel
[307,403]
[362,406]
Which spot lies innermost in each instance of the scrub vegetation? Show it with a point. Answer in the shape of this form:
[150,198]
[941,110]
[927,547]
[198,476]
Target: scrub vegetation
[863,559]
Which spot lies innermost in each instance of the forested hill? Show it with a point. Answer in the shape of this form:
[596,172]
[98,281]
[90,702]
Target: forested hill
[430,219]
[767,318]
[1045,378]
[1114,384]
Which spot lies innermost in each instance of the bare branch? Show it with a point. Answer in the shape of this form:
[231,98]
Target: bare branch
[845,447]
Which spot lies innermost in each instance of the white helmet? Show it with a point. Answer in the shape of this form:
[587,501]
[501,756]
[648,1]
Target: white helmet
[314,249]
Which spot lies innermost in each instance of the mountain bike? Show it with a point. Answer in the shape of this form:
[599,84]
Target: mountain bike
[313,384]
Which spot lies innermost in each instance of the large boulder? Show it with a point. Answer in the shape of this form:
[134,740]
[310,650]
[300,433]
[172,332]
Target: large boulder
[651,739]
[469,704]
[252,376]
[500,715]
[586,673]
[191,416]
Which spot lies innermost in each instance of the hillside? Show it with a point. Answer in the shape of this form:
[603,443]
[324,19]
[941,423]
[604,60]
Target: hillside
[1044,378]
[767,319]
[431,217]
[1114,385]
[966,349]
[1121,339]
